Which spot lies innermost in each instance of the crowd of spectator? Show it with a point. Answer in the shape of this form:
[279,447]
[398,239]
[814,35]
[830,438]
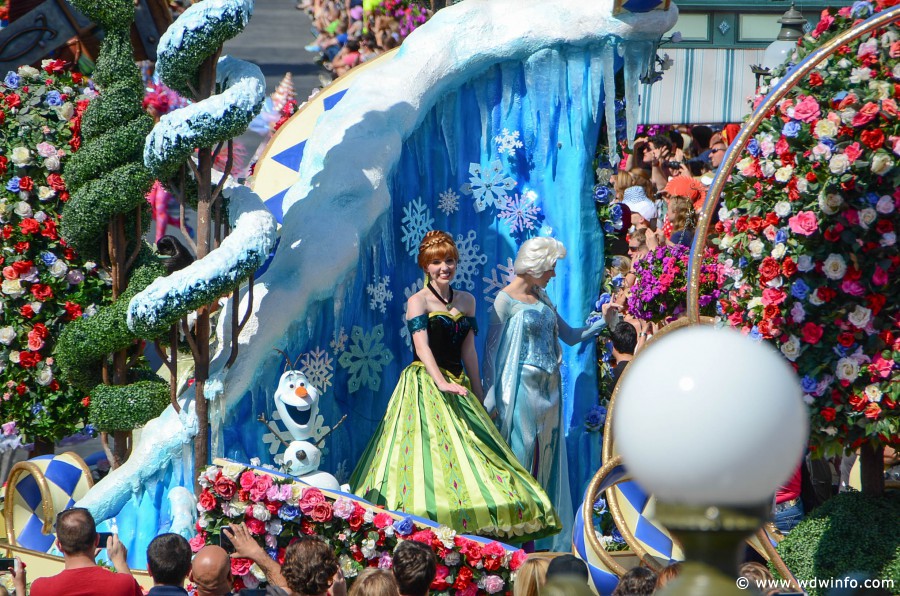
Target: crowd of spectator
[350,32]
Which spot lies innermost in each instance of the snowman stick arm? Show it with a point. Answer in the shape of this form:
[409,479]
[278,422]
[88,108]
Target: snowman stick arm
[333,428]
[262,418]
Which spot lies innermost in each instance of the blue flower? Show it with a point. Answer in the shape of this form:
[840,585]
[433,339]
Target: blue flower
[288,512]
[273,553]
[781,235]
[48,258]
[755,334]
[871,198]
[608,227]
[742,262]
[54,99]
[791,129]
[37,409]
[843,351]
[753,147]
[605,298]
[13,184]
[829,143]
[404,527]
[799,289]
[11,80]
[616,536]
[861,9]
[602,194]
[618,280]
[88,429]
[808,384]
[595,417]
[600,506]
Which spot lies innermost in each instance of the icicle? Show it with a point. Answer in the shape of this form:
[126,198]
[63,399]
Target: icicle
[637,54]
[484,111]
[608,58]
[573,82]
[448,128]
[597,78]
[508,77]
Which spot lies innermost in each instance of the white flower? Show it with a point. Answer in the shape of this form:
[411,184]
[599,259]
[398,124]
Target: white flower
[104,276]
[889,239]
[232,470]
[881,163]
[798,313]
[59,269]
[791,348]
[348,566]
[74,277]
[873,393]
[202,522]
[7,335]
[40,216]
[20,156]
[844,63]
[805,264]
[882,89]
[802,185]
[834,267]
[65,111]
[14,356]
[808,399]
[12,288]
[822,151]
[860,316]
[867,217]
[23,209]
[895,72]
[261,513]
[784,173]
[782,208]
[766,144]
[838,164]
[830,431]
[815,300]
[756,248]
[52,163]
[36,307]
[453,558]
[767,168]
[825,129]
[775,282]
[830,203]
[726,242]
[885,205]
[446,536]
[860,74]
[29,72]
[89,265]
[274,526]
[45,193]
[847,115]
[754,302]
[45,376]
[251,579]
[724,213]
[847,369]
[778,250]
[745,166]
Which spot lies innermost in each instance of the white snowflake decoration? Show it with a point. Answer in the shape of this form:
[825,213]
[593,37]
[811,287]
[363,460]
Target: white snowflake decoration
[488,186]
[501,276]
[408,292]
[508,142]
[469,266]
[416,222]
[365,357]
[318,367]
[339,342]
[520,212]
[274,438]
[380,294]
[449,202]
[342,474]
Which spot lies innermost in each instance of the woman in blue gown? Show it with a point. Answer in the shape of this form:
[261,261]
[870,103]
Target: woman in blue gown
[522,373]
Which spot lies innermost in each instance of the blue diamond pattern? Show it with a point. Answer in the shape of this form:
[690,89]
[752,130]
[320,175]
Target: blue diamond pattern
[635,495]
[332,100]
[29,491]
[292,156]
[653,537]
[63,475]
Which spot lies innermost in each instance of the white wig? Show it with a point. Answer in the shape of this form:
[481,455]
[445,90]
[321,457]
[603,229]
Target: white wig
[539,255]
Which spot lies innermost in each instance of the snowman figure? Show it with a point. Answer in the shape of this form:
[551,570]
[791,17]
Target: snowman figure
[297,403]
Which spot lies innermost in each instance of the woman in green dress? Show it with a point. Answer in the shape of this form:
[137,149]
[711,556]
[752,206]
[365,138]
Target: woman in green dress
[436,453]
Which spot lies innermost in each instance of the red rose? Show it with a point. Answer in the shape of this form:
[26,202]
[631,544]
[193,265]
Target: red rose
[858,403]
[29,226]
[825,294]
[815,79]
[4,161]
[876,302]
[866,114]
[86,401]
[846,339]
[56,182]
[240,566]
[21,389]
[307,527]
[13,100]
[811,333]
[207,501]
[873,139]
[48,230]
[383,520]
[22,247]
[73,311]
[56,66]
[769,269]
[440,582]
[26,311]
[463,579]
[224,486]
[884,226]
[322,512]
[828,414]
[40,330]
[22,267]
[273,507]
[517,559]
[789,267]
[770,311]
[773,296]
[741,224]
[26,183]
[310,499]
[357,518]
[42,292]
[76,77]
[29,359]
[255,526]
[756,223]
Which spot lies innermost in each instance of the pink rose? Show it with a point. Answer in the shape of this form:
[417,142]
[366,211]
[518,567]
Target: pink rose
[882,366]
[517,559]
[382,520]
[880,277]
[492,584]
[248,478]
[866,114]
[804,223]
[343,508]
[260,487]
[311,497]
[853,151]
[197,542]
[852,287]
[321,512]
[824,23]
[240,566]
[807,109]
[773,296]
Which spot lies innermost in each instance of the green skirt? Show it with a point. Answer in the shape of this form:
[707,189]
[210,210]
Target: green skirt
[438,455]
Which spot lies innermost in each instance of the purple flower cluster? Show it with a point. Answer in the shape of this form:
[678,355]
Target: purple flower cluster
[659,292]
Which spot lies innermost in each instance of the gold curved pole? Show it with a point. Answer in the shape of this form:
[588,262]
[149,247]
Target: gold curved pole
[587,514]
[731,156]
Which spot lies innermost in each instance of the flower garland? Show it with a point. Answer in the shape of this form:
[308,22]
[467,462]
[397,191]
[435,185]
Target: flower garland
[808,234]
[659,293]
[277,510]
[45,285]
[408,15]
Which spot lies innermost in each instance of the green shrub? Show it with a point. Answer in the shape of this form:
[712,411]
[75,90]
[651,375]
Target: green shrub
[851,533]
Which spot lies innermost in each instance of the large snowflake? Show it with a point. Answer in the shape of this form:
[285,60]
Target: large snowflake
[339,342]
[416,222]
[380,294]
[508,142]
[501,276]
[470,261]
[488,186]
[449,202]
[318,367]
[520,212]
[408,292]
[365,358]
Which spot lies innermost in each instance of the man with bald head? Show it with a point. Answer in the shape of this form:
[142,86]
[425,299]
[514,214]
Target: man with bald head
[211,569]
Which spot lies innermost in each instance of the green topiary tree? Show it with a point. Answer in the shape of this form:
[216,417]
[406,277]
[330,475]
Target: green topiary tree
[104,220]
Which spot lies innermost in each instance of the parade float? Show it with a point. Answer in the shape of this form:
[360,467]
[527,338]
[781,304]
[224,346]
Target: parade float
[494,141]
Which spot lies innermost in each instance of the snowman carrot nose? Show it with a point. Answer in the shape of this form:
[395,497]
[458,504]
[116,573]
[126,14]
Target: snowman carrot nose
[301,391]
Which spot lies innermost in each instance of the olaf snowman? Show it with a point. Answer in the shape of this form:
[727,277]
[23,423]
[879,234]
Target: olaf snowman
[297,403]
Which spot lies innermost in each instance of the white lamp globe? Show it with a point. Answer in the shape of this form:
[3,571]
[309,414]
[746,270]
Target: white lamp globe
[709,416]
[777,53]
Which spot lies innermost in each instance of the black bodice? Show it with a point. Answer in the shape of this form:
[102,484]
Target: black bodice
[446,334]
